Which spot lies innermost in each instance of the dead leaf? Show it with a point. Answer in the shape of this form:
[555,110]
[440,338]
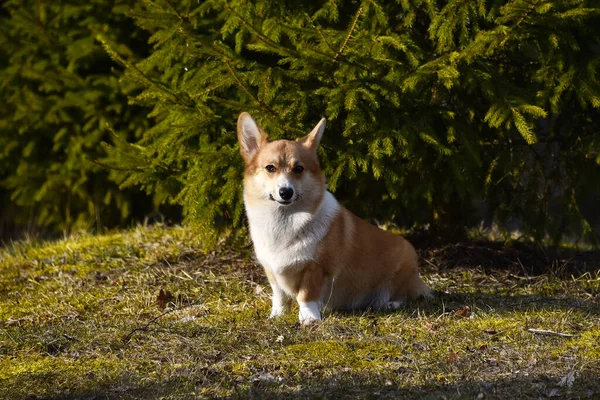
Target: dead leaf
[258,290]
[430,325]
[163,298]
[567,380]
[452,358]
[27,265]
[185,372]
[483,347]
[266,377]
[464,312]
[12,321]
[100,276]
[183,300]
[553,393]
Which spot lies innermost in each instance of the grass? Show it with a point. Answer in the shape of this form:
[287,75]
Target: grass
[82,318]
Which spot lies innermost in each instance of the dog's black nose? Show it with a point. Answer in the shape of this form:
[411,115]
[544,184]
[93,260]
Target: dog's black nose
[286,193]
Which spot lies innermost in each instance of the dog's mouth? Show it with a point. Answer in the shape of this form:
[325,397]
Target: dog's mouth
[283,203]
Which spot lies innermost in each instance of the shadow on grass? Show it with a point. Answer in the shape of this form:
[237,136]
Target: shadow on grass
[445,303]
[516,303]
[585,385]
[529,259]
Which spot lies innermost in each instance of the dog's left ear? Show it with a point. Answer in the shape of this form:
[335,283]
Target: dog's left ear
[313,139]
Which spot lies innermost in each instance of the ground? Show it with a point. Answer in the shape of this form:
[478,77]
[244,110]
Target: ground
[147,314]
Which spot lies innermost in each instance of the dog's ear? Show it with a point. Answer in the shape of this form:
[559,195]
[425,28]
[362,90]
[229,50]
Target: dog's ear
[250,136]
[313,139]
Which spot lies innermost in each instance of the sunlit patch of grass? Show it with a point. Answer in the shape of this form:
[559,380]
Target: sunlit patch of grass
[80,318]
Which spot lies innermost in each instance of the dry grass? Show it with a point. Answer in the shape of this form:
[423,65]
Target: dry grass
[81,319]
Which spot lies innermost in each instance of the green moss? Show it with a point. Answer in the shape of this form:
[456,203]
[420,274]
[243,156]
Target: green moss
[586,344]
[80,318]
[48,376]
[350,353]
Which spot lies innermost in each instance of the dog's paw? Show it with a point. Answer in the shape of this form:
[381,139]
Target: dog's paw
[277,312]
[308,319]
[394,305]
[309,313]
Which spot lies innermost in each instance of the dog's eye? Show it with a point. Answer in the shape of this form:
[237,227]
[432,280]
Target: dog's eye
[270,168]
[298,168]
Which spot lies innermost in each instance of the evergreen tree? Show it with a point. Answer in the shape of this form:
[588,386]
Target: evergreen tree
[60,91]
[431,105]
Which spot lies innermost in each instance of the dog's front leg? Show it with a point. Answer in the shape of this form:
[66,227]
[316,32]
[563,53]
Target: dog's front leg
[310,294]
[280,300]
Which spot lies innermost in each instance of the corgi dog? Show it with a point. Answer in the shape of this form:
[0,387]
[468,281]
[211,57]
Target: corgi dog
[314,250]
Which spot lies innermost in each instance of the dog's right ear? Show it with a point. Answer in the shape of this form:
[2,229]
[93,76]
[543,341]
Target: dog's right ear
[250,136]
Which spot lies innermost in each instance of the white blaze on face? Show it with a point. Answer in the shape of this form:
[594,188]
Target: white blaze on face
[283,183]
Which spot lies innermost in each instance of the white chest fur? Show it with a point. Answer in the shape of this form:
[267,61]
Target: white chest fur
[284,238]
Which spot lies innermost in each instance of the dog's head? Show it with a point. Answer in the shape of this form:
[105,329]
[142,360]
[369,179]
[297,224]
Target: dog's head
[282,173]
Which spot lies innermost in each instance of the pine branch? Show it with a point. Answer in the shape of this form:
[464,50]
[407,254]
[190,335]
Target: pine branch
[42,28]
[325,40]
[238,106]
[206,91]
[151,82]
[350,32]
[241,85]
[527,13]
[172,7]
[260,35]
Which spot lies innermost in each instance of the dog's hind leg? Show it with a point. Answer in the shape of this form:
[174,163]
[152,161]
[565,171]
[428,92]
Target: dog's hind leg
[407,281]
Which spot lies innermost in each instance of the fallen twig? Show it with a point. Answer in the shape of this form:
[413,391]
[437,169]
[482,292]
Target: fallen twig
[430,263]
[127,337]
[549,333]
